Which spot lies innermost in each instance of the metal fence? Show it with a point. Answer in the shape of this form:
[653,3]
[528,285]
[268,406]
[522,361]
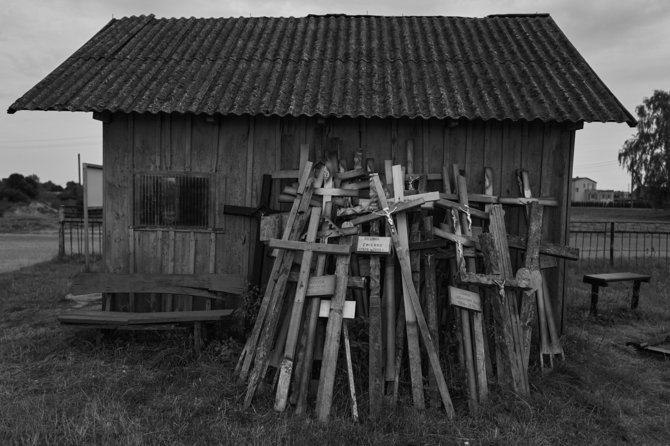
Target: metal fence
[71,235]
[619,241]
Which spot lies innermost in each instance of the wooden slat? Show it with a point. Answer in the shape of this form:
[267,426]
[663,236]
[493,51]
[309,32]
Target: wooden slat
[273,292]
[310,247]
[528,311]
[324,398]
[410,316]
[375,359]
[286,368]
[260,347]
[509,310]
[604,279]
[129,318]
[195,284]
[403,258]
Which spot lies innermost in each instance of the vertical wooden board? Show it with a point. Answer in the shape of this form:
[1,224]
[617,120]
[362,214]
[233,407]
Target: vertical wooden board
[116,218]
[376,141]
[433,147]
[204,143]
[474,155]
[233,244]
[146,142]
[558,153]
[232,159]
[201,264]
[232,248]
[145,262]
[306,126]
[514,139]
[165,141]
[117,152]
[290,144]
[410,129]
[455,141]
[265,154]
[513,134]
[348,131]
[532,156]
[181,265]
[493,148]
[180,142]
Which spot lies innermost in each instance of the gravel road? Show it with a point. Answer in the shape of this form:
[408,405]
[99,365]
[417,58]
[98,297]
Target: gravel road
[19,250]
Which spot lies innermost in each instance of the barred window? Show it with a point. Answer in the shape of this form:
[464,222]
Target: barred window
[173,200]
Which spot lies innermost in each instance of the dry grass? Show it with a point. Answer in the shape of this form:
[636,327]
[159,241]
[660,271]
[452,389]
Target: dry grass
[61,386]
[619,214]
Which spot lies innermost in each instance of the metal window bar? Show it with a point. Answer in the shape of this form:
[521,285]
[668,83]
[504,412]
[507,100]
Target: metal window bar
[173,200]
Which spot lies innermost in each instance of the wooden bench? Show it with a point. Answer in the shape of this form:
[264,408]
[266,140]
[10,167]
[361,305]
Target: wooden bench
[203,285]
[602,280]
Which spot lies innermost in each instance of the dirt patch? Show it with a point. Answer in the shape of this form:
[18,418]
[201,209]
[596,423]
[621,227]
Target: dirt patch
[35,217]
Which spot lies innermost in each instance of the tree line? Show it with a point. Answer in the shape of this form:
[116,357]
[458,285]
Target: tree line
[17,188]
[646,155]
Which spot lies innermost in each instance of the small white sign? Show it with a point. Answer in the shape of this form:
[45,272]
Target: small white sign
[373,245]
[349,311]
[465,299]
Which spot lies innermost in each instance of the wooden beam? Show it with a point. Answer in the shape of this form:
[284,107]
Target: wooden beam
[202,285]
[295,245]
[286,368]
[324,398]
[403,258]
[413,350]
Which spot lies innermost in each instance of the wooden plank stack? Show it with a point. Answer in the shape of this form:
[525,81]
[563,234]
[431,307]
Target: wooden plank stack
[334,254]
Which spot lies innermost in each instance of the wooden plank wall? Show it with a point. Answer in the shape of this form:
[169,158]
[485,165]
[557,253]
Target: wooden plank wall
[239,150]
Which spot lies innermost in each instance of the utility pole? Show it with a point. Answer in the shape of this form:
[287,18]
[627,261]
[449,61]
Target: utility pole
[79,168]
[631,189]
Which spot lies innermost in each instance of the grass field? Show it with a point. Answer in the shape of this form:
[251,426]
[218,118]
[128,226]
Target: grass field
[62,386]
[619,214]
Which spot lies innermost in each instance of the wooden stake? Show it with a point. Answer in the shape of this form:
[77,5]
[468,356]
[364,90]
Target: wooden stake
[350,371]
[403,258]
[269,311]
[508,297]
[375,377]
[413,350]
[324,397]
[286,368]
[313,311]
[475,317]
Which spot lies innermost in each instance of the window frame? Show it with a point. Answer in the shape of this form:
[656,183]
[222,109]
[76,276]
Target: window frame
[137,200]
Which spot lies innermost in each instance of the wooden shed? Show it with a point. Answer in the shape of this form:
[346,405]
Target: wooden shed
[195,111]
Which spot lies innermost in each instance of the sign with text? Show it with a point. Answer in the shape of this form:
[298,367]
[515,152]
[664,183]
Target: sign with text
[348,313]
[373,245]
[465,299]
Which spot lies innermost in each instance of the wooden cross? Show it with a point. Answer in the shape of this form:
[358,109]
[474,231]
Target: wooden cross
[549,341]
[471,318]
[402,253]
[308,248]
[257,348]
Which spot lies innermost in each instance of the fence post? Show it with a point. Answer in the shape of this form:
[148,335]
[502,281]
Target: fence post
[61,232]
[612,243]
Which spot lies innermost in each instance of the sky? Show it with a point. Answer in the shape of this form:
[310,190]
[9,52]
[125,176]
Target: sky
[626,43]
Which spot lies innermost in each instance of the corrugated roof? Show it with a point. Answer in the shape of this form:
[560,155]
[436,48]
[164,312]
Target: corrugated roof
[498,67]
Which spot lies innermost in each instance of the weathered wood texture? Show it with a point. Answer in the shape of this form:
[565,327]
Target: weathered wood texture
[238,150]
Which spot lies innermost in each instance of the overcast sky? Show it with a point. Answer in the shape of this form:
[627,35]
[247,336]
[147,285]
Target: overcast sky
[626,42]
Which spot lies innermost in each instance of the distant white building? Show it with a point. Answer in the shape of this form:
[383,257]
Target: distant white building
[600,196]
[580,188]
